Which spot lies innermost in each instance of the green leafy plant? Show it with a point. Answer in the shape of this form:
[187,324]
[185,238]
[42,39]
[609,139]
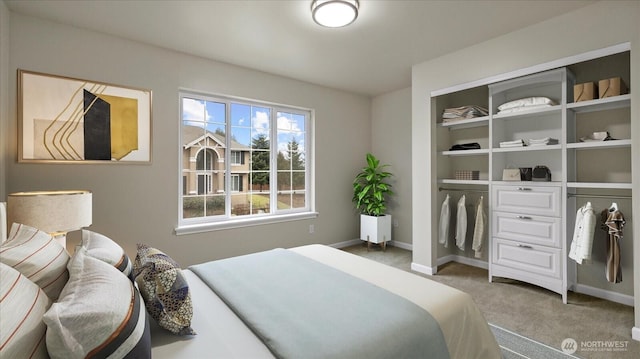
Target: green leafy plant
[371,189]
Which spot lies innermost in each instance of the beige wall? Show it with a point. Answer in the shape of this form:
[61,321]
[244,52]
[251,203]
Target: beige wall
[139,203]
[564,36]
[4,95]
[391,143]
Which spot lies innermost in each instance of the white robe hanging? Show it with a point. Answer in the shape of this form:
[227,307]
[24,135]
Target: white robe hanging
[445,217]
[479,228]
[583,234]
[461,224]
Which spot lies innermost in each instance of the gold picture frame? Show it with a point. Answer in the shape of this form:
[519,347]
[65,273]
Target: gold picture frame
[68,120]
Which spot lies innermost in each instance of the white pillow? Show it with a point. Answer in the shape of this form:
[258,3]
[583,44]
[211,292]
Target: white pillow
[38,256]
[105,249]
[23,304]
[528,101]
[100,313]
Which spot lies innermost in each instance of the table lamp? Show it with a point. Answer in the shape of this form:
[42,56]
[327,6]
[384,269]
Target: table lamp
[54,212]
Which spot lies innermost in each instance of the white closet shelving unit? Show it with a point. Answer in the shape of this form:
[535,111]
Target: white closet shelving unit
[530,223]
[526,236]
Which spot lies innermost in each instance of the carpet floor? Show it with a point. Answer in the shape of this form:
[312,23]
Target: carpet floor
[600,328]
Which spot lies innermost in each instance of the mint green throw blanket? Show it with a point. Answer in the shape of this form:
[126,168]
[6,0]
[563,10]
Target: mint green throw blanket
[301,308]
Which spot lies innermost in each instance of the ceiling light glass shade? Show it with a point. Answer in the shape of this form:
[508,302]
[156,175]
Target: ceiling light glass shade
[334,13]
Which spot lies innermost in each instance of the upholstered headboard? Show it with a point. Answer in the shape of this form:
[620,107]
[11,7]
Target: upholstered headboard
[3,222]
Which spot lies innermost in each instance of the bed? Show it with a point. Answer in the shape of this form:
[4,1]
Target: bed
[42,320]
[466,332]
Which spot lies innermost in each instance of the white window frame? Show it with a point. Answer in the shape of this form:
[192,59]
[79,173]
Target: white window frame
[205,224]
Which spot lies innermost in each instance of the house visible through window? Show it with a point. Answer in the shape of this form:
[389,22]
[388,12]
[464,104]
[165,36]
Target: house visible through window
[237,157]
[242,159]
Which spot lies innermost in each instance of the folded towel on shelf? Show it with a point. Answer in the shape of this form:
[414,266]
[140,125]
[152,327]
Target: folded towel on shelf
[463,113]
[529,102]
[465,146]
[543,141]
[596,137]
[514,143]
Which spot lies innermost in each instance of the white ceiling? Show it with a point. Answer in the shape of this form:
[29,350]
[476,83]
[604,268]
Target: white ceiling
[372,56]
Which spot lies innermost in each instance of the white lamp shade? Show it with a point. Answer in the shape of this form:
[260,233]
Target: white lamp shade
[51,211]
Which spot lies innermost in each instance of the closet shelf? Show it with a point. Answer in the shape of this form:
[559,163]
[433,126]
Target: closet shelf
[474,182]
[530,113]
[482,151]
[528,148]
[469,123]
[609,103]
[603,185]
[599,145]
[529,183]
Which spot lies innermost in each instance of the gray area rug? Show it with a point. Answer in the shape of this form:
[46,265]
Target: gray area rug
[515,346]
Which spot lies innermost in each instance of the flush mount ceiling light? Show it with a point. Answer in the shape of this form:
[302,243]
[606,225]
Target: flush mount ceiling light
[334,13]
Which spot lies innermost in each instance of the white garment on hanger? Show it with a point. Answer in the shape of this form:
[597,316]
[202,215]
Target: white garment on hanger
[479,228]
[461,224]
[583,234]
[445,216]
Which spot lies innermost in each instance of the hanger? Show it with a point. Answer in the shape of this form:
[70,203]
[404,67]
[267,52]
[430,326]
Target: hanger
[614,207]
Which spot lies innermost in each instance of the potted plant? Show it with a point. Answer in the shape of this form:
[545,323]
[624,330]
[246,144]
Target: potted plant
[370,192]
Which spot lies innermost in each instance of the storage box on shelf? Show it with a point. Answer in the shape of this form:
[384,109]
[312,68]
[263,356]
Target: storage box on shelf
[585,91]
[611,87]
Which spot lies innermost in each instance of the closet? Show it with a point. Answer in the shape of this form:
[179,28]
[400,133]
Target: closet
[530,223]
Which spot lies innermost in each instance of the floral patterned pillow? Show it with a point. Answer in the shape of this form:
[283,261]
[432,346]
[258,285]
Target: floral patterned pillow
[164,289]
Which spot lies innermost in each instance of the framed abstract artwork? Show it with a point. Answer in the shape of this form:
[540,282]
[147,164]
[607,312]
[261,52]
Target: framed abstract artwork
[68,120]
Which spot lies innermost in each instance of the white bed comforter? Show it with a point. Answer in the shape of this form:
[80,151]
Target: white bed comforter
[221,334]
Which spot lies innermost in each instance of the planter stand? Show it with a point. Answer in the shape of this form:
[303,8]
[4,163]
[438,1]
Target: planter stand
[383,244]
[375,229]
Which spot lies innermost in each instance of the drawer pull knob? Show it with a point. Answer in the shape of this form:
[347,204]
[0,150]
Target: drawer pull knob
[525,217]
[524,189]
[525,246]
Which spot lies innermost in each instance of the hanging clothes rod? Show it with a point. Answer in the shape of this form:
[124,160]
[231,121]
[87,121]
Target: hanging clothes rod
[462,190]
[598,196]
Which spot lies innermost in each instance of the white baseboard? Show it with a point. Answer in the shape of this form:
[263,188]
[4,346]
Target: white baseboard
[635,333]
[353,242]
[446,259]
[422,269]
[407,246]
[605,294]
[464,260]
[345,244]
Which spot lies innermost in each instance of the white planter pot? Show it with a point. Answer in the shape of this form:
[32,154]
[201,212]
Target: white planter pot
[375,229]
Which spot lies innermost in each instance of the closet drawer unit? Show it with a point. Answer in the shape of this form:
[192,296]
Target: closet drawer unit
[527,228]
[540,200]
[526,258]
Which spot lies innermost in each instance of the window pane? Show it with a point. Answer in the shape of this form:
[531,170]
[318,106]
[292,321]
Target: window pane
[240,115]
[260,120]
[298,199]
[192,206]
[260,181]
[215,205]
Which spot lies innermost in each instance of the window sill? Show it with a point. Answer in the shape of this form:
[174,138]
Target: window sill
[244,222]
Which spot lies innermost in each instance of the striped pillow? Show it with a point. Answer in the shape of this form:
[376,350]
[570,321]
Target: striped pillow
[100,314]
[105,249]
[22,304]
[38,256]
